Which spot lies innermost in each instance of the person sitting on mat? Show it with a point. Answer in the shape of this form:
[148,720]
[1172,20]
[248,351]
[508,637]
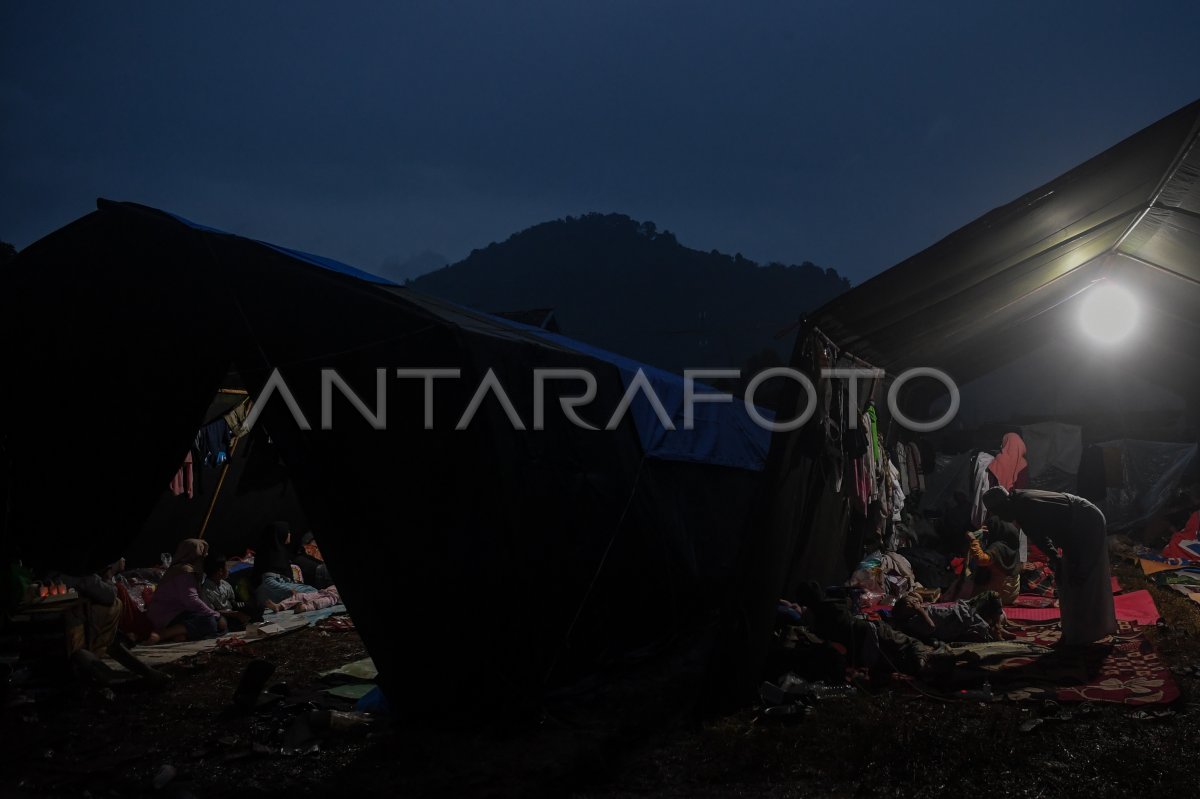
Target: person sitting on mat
[273,567]
[177,611]
[92,629]
[218,594]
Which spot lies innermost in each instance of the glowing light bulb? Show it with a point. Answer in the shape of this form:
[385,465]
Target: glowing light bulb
[1109,313]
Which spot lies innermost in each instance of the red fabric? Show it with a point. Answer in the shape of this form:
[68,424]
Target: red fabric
[1032,614]
[182,483]
[1188,533]
[1135,607]
[133,619]
[1008,465]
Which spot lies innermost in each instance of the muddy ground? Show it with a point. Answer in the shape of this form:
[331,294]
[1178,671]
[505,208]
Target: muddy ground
[892,743]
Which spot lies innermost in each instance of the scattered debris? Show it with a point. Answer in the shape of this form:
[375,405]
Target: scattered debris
[1150,715]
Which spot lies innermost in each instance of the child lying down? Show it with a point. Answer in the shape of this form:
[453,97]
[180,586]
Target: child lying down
[310,600]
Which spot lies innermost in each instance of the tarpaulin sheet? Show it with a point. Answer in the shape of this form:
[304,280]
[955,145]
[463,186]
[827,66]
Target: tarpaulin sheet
[1151,473]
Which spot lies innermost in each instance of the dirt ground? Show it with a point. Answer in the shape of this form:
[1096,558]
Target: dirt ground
[890,744]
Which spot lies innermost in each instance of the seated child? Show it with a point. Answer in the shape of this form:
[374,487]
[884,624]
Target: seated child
[218,594]
[997,563]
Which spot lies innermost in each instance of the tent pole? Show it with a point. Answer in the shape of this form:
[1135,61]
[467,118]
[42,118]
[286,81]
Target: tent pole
[220,482]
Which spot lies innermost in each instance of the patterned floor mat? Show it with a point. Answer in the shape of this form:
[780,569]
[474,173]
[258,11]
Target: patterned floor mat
[1126,671]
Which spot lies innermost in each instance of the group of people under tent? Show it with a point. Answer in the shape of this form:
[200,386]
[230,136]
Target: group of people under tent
[192,598]
[1023,530]
[905,639]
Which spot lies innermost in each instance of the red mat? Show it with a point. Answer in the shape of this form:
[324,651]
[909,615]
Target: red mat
[1128,672]
[1136,607]
[1033,614]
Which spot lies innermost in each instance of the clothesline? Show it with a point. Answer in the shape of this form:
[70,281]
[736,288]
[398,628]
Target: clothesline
[845,353]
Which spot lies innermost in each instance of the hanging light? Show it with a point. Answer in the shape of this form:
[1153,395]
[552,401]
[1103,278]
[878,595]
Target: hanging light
[1109,313]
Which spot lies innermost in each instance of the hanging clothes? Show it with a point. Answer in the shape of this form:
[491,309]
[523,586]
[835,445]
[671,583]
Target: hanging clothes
[862,485]
[182,482]
[871,458]
[857,468]
[901,461]
[874,435]
[212,442]
[895,491]
[980,482]
[236,418]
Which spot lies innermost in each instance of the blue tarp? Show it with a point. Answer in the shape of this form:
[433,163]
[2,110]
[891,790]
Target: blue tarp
[315,260]
[723,433]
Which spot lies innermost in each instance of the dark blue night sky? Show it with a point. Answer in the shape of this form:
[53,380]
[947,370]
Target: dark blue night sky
[851,135]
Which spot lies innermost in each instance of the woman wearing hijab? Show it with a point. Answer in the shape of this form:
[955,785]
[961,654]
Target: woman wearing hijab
[177,611]
[1053,521]
[273,567]
[1009,469]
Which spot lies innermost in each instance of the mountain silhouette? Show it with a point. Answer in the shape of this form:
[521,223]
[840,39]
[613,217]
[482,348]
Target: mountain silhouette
[402,269]
[629,287]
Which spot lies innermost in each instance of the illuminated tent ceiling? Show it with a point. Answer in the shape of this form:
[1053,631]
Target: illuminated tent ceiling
[1012,279]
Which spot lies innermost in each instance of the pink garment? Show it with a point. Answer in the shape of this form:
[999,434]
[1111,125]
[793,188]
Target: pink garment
[1010,463]
[182,481]
[312,600]
[177,594]
[862,486]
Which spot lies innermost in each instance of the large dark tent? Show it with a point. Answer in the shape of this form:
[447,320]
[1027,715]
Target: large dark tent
[481,566]
[989,293]
[1003,284]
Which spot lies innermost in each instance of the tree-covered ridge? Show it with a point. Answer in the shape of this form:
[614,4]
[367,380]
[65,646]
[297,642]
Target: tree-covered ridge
[632,288]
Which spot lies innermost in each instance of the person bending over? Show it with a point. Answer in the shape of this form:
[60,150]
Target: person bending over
[1053,521]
